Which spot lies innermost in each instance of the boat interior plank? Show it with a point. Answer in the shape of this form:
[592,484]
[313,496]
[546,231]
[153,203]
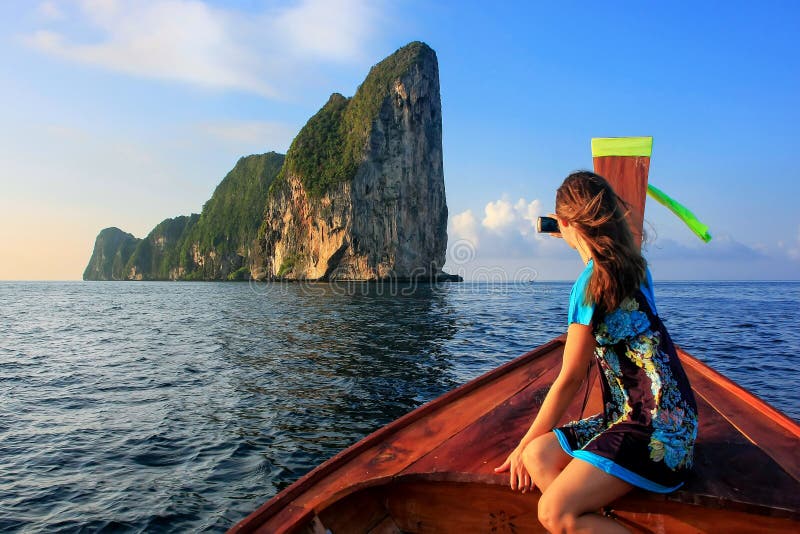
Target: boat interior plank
[766,427]
[485,443]
[731,469]
[387,526]
[452,508]
[643,514]
[362,511]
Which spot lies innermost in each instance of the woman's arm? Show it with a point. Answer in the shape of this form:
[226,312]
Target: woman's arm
[578,352]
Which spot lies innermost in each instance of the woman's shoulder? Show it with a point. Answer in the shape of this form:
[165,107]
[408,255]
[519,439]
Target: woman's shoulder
[579,288]
[581,309]
[648,291]
[584,277]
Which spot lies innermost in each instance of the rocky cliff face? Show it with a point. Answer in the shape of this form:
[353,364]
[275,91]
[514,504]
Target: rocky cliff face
[361,194]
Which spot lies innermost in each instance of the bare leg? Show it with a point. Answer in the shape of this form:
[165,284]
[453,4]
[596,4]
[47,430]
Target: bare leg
[544,459]
[571,501]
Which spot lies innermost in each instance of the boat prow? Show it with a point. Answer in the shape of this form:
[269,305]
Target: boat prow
[432,469]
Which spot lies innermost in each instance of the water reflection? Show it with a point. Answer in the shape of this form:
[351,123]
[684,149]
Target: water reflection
[314,371]
[394,345]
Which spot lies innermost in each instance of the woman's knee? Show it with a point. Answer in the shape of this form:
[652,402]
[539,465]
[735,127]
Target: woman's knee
[540,454]
[554,515]
[534,455]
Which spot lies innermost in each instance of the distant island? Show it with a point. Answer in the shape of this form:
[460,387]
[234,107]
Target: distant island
[359,196]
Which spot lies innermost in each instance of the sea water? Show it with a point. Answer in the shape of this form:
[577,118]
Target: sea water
[181,406]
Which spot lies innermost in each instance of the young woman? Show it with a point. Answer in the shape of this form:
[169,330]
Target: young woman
[645,435]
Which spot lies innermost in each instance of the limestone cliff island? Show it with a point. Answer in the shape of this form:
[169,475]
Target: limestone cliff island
[359,196]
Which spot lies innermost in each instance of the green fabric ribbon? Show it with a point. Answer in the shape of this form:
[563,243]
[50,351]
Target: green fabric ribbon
[700,229]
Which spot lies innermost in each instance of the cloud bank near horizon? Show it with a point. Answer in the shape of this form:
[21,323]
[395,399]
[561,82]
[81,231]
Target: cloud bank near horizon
[503,245]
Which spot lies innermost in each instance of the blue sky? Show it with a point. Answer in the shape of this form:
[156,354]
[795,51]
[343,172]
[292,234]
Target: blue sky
[123,113]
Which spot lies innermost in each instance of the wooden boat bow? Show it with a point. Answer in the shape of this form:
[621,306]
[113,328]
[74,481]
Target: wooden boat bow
[417,473]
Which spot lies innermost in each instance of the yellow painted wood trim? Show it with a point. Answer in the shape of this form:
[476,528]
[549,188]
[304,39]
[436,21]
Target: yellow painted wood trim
[622,146]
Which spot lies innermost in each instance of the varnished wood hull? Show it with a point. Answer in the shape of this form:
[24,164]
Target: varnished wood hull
[432,470]
[424,504]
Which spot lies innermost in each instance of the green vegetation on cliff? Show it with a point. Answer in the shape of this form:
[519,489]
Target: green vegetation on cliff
[316,153]
[288,264]
[157,254]
[231,217]
[329,148]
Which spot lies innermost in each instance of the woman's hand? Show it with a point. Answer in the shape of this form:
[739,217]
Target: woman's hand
[519,478]
[555,234]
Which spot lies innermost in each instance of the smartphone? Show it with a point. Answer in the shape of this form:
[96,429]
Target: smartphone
[547,225]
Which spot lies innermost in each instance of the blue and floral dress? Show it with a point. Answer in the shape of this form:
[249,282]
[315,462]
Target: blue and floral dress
[648,427]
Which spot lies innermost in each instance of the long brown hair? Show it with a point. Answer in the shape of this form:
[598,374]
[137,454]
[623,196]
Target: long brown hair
[591,206]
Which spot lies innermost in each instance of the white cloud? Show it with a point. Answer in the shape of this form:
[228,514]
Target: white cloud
[528,212]
[49,10]
[499,215]
[504,245]
[328,28]
[465,227]
[192,42]
[502,216]
[506,231]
